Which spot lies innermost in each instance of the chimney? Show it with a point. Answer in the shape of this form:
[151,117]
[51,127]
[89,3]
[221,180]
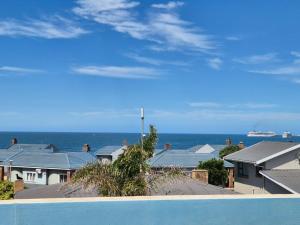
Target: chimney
[14,141]
[228,141]
[241,145]
[167,146]
[86,148]
[125,142]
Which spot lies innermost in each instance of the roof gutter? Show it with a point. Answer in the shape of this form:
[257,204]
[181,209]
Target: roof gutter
[278,183]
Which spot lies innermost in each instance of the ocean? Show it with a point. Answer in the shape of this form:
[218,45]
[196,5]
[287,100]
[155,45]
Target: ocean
[67,141]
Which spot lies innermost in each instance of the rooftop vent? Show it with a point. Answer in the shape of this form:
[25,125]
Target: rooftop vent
[86,148]
[14,141]
[167,146]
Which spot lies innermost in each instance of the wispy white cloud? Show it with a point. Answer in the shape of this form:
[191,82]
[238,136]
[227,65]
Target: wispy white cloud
[292,69]
[249,105]
[295,53]
[220,114]
[169,5]
[257,59]
[205,104]
[118,72]
[215,63]
[10,114]
[166,29]
[110,113]
[13,69]
[155,62]
[232,38]
[49,28]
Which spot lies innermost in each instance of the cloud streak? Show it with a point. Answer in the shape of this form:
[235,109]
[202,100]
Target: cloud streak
[232,106]
[169,5]
[257,59]
[215,63]
[154,62]
[49,28]
[18,70]
[118,72]
[163,28]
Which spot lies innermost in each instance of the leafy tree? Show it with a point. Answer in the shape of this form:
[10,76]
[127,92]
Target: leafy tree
[217,174]
[228,150]
[6,190]
[150,141]
[126,176]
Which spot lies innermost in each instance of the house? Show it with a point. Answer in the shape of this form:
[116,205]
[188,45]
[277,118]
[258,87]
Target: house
[109,153]
[40,163]
[188,159]
[267,167]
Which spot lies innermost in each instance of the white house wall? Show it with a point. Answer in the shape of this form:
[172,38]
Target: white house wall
[14,173]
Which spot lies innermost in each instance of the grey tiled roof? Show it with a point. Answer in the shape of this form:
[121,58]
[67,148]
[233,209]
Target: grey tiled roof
[288,179]
[216,148]
[33,147]
[260,151]
[108,150]
[39,158]
[6,154]
[186,186]
[181,158]
[56,191]
[78,159]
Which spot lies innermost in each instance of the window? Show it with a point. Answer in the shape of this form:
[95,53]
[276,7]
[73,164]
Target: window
[62,178]
[243,170]
[257,169]
[30,176]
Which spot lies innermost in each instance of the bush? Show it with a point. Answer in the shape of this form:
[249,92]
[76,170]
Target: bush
[228,150]
[6,190]
[217,174]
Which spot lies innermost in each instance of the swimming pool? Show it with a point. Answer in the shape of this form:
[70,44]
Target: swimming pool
[194,210]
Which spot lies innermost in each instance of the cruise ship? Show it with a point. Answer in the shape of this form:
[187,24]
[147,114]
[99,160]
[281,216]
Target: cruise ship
[287,134]
[261,134]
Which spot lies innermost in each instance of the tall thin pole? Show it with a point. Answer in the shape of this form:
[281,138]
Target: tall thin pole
[142,126]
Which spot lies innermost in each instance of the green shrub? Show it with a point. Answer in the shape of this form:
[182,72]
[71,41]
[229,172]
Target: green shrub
[228,150]
[217,174]
[6,190]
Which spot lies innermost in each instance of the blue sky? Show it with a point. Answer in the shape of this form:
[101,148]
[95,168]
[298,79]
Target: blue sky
[196,66]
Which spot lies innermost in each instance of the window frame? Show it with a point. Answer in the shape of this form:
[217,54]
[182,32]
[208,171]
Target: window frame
[242,170]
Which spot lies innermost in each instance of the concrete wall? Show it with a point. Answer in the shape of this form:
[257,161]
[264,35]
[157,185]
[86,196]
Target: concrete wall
[250,185]
[14,173]
[286,161]
[54,176]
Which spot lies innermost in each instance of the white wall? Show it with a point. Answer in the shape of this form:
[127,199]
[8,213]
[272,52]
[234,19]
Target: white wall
[54,176]
[14,173]
[40,178]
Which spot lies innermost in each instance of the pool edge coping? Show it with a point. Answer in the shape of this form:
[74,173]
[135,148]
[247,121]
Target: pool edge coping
[149,198]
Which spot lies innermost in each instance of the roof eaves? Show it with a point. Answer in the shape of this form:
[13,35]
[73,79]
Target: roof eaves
[240,160]
[277,154]
[278,183]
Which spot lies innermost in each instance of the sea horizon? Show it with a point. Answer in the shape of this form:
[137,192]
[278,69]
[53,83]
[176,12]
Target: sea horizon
[73,141]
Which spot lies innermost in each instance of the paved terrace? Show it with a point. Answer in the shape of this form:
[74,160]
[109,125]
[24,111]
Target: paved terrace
[168,210]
